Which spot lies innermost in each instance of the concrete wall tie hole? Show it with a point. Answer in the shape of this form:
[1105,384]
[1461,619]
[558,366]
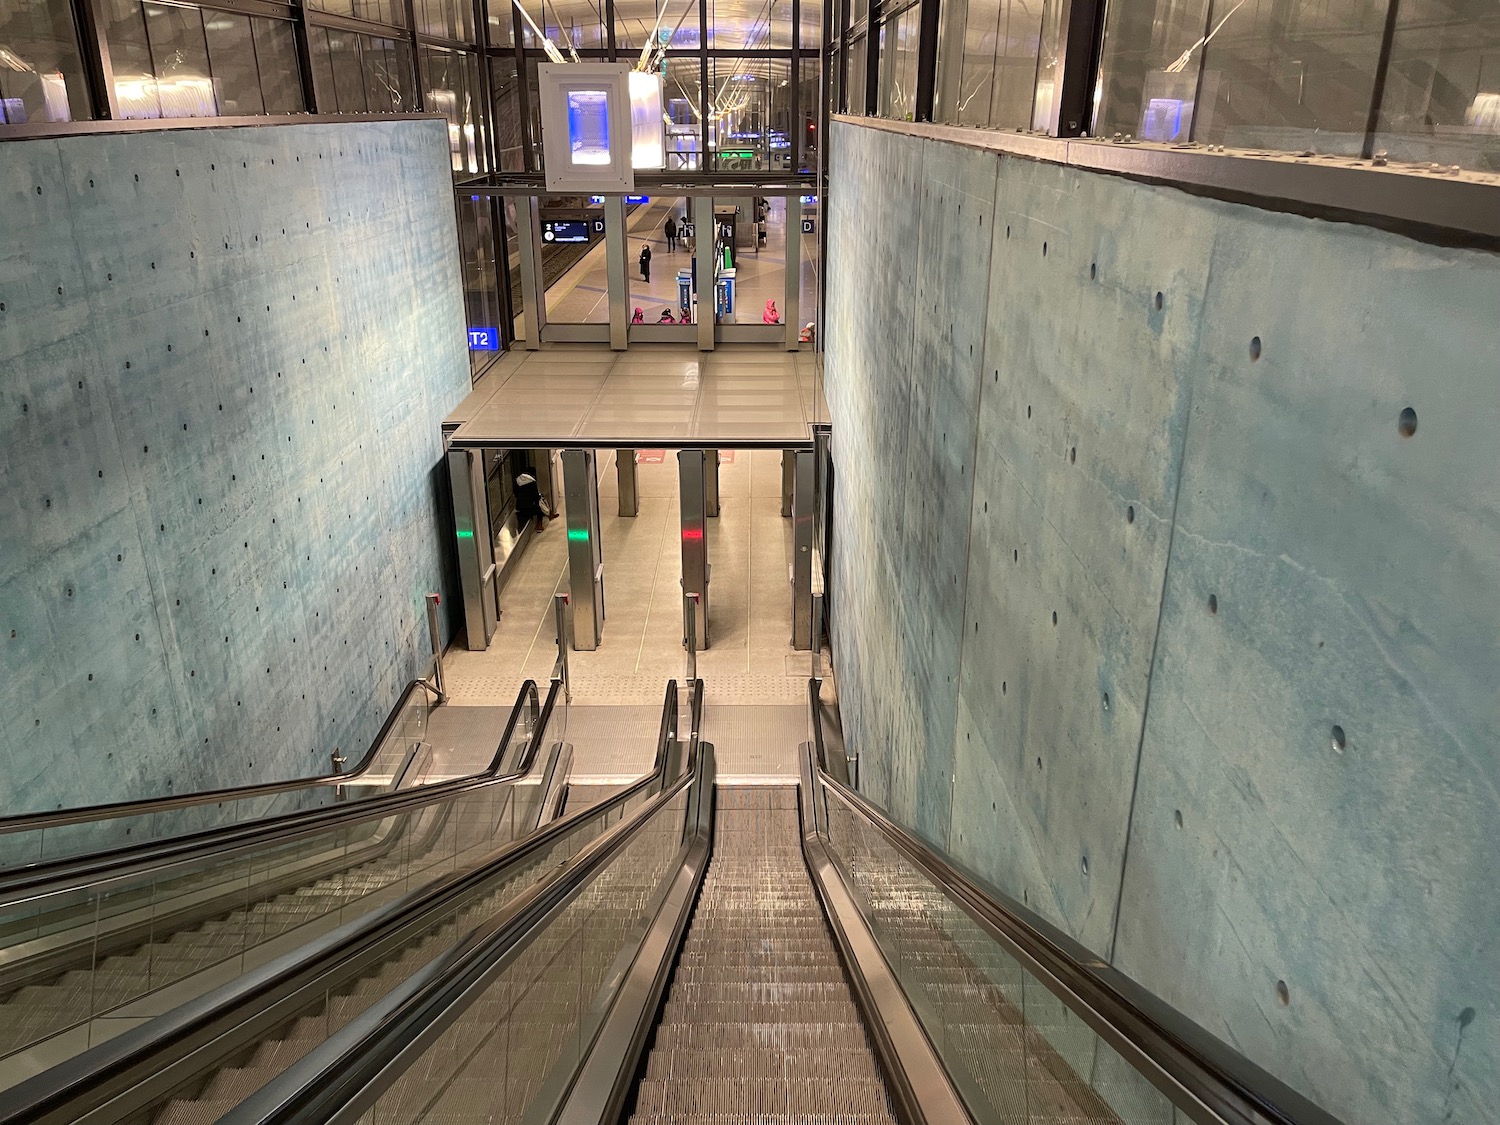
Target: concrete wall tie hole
[1177,818]
[1254,348]
[1130,513]
[1213,603]
[1283,994]
[1159,302]
[1337,736]
[1406,425]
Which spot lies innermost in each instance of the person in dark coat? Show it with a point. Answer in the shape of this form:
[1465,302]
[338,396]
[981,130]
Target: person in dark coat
[646,263]
[671,232]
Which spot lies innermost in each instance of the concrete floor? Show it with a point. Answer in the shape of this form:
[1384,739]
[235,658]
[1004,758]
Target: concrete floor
[755,682]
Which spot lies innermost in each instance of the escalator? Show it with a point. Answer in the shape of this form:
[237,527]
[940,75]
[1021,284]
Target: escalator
[467,856]
[92,943]
[694,954]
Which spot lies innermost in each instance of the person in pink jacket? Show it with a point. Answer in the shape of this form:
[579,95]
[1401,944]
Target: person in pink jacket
[771,316]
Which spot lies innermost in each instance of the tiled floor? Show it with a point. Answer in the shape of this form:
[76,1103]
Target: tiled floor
[749,664]
[654,394]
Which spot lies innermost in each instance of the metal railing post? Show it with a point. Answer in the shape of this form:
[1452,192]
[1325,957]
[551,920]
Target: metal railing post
[560,669]
[690,626]
[438,683]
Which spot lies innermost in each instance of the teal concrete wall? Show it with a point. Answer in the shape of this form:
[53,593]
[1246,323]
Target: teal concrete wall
[1126,526]
[224,359]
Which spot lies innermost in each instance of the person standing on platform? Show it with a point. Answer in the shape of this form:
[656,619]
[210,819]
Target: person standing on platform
[671,232]
[646,263]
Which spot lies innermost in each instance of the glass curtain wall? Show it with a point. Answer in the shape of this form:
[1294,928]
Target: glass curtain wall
[1412,80]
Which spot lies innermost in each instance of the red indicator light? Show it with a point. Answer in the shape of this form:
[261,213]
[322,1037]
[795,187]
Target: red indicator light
[692,534]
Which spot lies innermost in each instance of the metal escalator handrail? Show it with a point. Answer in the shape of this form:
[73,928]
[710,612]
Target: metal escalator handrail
[155,1053]
[339,1080]
[1198,1073]
[87,814]
[165,855]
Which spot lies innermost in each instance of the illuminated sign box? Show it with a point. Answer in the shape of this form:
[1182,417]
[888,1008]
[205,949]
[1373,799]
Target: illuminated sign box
[586,127]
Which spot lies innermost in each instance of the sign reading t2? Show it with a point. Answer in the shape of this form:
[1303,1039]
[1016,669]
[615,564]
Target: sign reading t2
[484,339]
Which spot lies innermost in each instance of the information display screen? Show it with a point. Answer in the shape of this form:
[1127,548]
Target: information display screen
[565,230]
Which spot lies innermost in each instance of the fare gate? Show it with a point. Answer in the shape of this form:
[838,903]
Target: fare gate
[585,551]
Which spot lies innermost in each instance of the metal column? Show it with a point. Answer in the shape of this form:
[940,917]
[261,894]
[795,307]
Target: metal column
[692,465]
[788,480]
[711,483]
[703,225]
[585,553]
[790,307]
[533,286]
[616,283]
[630,497]
[804,510]
[476,552]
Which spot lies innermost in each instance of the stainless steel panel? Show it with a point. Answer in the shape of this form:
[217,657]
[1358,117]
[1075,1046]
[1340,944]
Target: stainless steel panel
[691,474]
[625,474]
[790,301]
[615,255]
[788,477]
[804,510]
[711,482]
[533,286]
[585,554]
[476,559]
[703,223]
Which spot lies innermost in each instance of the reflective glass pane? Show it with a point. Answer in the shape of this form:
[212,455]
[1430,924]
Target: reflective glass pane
[501,23]
[1148,74]
[130,55]
[231,51]
[749,25]
[389,81]
[476,239]
[898,66]
[858,10]
[446,19]
[1442,92]
[674,23]
[1285,76]
[42,77]
[506,120]
[987,61]
[578,24]
[750,113]
[810,31]
[321,52]
[337,7]
[276,58]
[348,75]
[809,103]
[451,83]
[855,91]
[183,81]
[654,301]
[682,101]
[573,260]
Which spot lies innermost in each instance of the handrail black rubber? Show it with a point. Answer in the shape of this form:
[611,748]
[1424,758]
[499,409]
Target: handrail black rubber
[368,1055]
[134,859]
[144,806]
[81,1085]
[1194,1069]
